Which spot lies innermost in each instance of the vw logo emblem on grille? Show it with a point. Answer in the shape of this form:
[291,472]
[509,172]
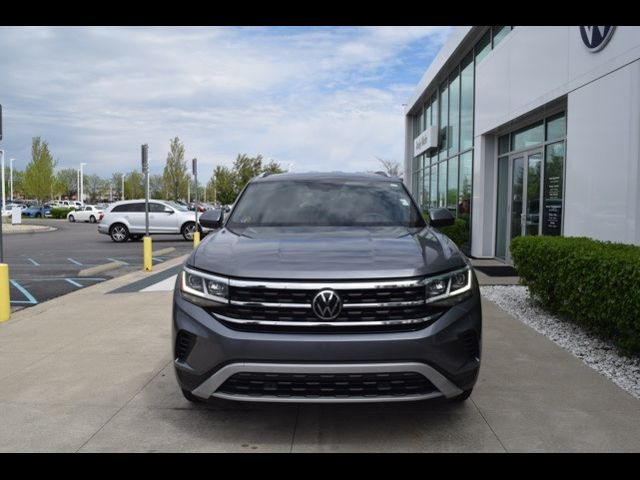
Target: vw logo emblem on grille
[327,305]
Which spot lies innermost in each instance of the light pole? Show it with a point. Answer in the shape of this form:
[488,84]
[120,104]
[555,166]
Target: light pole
[82,184]
[11,176]
[123,186]
[3,203]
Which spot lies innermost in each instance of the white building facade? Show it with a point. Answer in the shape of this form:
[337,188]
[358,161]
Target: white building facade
[530,131]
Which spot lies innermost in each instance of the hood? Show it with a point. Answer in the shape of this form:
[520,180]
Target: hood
[328,253]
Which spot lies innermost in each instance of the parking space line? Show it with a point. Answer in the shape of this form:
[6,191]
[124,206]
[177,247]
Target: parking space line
[116,260]
[34,262]
[74,261]
[25,292]
[158,259]
[75,284]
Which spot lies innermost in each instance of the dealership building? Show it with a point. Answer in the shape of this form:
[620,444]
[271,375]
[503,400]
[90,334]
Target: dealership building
[530,131]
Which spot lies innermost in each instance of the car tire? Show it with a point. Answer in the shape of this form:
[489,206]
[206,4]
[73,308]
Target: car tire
[462,397]
[92,219]
[187,230]
[72,219]
[119,233]
[191,397]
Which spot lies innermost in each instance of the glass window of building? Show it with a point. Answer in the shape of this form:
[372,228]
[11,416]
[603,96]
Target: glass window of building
[424,198]
[527,137]
[556,127]
[553,189]
[452,184]
[427,115]
[442,184]
[503,144]
[464,183]
[454,114]
[466,103]
[420,122]
[434,109]
[444,121]
[433,187]
[483,47]
[499,33]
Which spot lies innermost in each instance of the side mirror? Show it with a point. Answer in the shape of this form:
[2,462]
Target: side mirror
[227,209]
[211,219]
[440,217]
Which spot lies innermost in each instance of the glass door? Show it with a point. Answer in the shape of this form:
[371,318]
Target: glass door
[525,182]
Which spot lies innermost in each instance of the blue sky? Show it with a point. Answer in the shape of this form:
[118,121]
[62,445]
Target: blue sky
[320,98]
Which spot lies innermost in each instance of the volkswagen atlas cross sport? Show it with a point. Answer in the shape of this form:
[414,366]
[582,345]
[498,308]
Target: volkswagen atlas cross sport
[326,288]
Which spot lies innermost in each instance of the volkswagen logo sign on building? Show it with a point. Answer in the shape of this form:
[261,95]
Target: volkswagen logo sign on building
[327,305]
[596,38]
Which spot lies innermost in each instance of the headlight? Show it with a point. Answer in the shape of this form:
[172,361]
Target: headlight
[442,288]
[204,289]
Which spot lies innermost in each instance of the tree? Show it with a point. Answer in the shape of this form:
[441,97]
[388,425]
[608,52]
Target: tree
[67,182]
[223,183]
[156,187]
[134,186]
[175,177]
[116,185]
[38,175]
[95,187]
[391,167]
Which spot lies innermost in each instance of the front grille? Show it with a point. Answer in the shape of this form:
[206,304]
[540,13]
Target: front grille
[343,385]
[386,305]
[379,295]
[184,343]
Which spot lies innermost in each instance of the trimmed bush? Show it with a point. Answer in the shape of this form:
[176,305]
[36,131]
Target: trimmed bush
[592,283]
[60,212]
[458,232]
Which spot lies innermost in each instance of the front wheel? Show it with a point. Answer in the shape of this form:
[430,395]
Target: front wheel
[72,218]
[119,233]
[92,219]
[188,229]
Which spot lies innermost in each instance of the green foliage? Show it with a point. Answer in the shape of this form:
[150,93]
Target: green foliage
[458,232]
[38,175]
[67,182]
[589,282]
[175,177]
[134,186]
[226,184]
[60,212]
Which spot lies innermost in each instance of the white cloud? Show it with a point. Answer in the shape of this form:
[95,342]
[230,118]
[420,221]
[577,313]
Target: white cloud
[324,98]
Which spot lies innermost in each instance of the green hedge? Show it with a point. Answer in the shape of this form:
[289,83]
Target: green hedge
[60,212]
[592,283]
[458,232]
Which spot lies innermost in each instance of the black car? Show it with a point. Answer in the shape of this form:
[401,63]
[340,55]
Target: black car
[326,288]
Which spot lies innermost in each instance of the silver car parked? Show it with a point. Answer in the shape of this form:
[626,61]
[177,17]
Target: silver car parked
[126,220]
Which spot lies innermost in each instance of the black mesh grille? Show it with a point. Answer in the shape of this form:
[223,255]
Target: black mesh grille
[343,385]
[377,295]
[184,343]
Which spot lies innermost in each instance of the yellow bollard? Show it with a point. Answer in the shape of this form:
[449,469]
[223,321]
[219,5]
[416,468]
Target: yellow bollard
[148,254]
[196,239]
[5,297]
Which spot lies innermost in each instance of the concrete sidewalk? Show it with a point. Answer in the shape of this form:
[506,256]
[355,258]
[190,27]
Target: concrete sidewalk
[92,372]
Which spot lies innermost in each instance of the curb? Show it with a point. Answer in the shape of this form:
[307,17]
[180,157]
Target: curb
[105,267]
[39,230]
[163,251]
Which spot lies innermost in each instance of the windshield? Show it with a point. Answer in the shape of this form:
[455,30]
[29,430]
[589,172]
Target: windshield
[177,206]
[340,203]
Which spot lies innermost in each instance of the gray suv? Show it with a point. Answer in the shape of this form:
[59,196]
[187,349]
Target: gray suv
[326,288]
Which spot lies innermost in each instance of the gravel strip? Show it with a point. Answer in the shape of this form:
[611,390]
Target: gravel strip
[594,352]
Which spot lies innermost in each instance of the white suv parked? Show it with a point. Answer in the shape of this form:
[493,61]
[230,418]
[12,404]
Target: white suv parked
[125,220]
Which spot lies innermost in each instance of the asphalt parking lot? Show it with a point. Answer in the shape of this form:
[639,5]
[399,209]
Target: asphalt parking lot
[45,265]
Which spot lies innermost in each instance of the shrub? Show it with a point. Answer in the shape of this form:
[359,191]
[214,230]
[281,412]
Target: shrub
[592,283]
[458,232]
[60,212]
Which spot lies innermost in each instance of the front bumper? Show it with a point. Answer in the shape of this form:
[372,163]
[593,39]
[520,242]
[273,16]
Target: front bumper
[441,352]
